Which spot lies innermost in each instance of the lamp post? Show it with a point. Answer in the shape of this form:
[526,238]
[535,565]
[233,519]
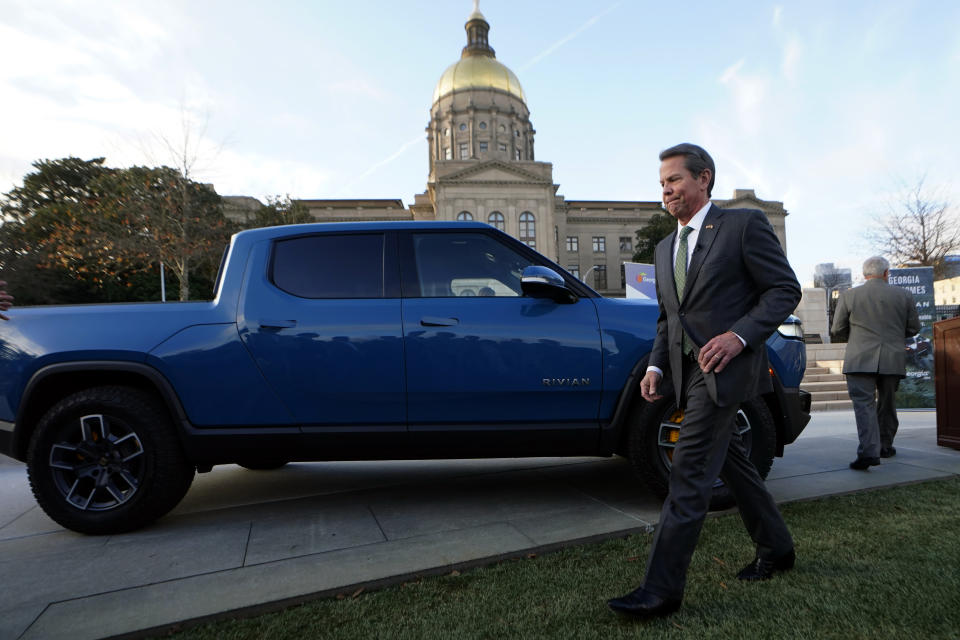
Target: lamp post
[593,268]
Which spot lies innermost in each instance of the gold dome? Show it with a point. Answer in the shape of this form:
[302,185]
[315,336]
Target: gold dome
[478,72]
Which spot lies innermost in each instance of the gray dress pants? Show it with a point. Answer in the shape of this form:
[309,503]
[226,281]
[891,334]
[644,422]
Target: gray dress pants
[708,447]
[875,411]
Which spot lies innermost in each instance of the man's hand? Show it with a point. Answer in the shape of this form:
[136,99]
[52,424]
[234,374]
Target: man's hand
[6,300]
[719,351]
[649,386]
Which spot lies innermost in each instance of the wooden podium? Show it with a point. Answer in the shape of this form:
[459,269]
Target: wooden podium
[946,341]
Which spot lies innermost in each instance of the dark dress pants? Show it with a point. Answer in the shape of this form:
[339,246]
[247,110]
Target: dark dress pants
[708,447]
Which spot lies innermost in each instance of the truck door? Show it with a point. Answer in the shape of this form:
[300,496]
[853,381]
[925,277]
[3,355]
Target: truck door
[488,369]
[323,323]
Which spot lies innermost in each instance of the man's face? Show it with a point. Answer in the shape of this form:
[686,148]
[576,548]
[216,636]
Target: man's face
[683,194]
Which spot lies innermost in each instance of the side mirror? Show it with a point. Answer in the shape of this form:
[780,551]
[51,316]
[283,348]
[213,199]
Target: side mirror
[543,282]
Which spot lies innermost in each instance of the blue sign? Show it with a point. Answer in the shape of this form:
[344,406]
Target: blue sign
[641,280]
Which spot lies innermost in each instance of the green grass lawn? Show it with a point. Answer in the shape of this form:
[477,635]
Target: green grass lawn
[880,564]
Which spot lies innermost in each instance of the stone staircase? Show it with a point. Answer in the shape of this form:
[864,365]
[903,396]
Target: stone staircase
[823,377]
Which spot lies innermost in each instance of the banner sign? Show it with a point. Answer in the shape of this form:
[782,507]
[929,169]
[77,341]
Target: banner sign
[917,389]
[641,280]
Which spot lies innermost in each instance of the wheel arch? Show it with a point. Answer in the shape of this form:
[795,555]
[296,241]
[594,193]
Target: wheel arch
[616,434]
[54,382]
[630,399]
[775,403]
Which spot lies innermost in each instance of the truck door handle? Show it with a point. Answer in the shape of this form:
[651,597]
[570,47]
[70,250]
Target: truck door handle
[433,321]
[277,324]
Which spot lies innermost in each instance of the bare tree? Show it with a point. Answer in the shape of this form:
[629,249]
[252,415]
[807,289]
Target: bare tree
[921,228]
[185,226]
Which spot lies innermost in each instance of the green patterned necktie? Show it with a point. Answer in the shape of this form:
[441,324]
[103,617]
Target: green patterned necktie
[680,277]
[680,267]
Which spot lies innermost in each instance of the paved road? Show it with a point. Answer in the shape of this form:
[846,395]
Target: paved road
[243,539]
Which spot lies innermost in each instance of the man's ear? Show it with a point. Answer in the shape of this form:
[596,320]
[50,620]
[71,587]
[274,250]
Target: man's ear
[705,177]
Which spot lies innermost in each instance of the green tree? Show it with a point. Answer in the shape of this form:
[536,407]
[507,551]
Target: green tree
[77,231]
[659,227]
[55,197]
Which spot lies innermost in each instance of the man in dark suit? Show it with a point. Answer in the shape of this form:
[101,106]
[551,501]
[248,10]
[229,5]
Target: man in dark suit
[724,285]
[879,316]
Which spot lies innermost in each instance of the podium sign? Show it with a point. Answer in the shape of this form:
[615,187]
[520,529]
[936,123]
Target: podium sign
[917,390]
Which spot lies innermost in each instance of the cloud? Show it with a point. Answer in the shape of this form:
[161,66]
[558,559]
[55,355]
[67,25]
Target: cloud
[792,50]
[380,164]
[567,38]
[749,94]
[731,72]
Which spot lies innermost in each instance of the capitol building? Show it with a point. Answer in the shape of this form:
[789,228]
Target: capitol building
[482,166]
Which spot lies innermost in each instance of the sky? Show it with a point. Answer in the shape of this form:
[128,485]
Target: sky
[833,108]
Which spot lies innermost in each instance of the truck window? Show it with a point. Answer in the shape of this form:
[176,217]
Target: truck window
[330,266]
[466,264]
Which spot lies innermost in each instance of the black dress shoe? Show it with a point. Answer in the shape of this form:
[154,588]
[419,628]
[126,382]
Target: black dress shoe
[862,464]
[763,568]
[888,452]
[643,604]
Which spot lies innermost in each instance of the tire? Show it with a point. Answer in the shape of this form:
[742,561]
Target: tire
[107,460]
[265,465]
[651,454]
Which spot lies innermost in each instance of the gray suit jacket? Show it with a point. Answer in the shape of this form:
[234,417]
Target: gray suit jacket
[879,317]
[738,280]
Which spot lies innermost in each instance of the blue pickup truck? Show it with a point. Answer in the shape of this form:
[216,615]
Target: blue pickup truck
[409,340]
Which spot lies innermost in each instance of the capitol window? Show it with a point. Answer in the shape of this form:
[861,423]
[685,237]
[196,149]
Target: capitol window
[600,276]
[463,127]
[483,147]
[599,244]
[495,219]
[463,151]
[503,128]
[503,148]
[464,216]
[448,153]
[528,229]
[573,244]
[483,125]
[518,156]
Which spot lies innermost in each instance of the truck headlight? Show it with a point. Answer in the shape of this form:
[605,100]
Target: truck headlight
[791,328]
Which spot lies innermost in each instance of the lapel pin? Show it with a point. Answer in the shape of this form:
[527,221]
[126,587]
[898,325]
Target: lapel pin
[709,226]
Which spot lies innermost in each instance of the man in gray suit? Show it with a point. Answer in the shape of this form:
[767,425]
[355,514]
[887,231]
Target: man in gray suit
[879,317]
[723,285]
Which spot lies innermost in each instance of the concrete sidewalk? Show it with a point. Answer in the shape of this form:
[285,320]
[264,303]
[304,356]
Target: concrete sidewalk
[245,540]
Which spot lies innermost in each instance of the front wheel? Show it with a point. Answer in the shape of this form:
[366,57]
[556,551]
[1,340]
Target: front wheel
[107,460]
[655,429]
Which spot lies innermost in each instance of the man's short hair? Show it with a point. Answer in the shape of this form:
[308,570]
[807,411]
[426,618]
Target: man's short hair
[696,159]
[875,266]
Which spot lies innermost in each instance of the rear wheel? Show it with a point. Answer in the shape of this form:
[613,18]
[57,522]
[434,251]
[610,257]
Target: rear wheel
[655,430]
[107,460]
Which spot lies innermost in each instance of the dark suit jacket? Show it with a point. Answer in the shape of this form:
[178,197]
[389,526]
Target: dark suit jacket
[738,280]
[879,316]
